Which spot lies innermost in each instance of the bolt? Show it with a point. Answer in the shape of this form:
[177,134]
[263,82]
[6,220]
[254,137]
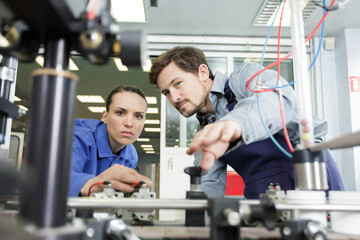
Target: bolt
[21,112]
[287,231]
[90,232]
[232,217]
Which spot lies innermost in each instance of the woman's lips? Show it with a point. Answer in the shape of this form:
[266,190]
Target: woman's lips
[127,134]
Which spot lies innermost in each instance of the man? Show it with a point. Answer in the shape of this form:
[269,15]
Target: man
[182,74]
[103,150]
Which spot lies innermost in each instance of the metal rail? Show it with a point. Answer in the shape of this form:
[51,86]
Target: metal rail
[85,203]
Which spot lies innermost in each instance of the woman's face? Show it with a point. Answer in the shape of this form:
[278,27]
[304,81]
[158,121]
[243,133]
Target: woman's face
[125,119]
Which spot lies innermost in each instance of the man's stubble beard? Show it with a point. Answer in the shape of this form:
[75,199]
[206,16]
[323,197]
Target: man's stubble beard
[196,108]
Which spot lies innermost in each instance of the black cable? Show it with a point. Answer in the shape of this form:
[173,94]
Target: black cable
[330,8]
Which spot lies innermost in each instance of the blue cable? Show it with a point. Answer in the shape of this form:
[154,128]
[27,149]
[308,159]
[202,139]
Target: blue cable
[268,132]
[268,36]
[317,53]
[261,63]
[286,85]
[258,98]
[321,39]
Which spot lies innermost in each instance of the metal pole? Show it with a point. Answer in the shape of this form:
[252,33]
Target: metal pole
[8,67]
[303,89]
[184,204]
[49,138]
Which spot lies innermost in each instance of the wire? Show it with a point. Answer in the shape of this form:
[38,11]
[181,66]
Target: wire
[278,68]
[268,36]
[270,136]
[258,97]
[321,40]
[278,78]
[92,6]
[331,8]
[98,183]
[284,58]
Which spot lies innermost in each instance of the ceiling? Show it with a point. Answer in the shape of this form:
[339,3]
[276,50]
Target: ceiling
[173,17]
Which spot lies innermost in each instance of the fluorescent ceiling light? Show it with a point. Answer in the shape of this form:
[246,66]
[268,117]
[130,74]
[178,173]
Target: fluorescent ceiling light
[119,65]
[40,60]
[90,98]
[152,129]
[267,13]
[147,66]
[152,121]
[97,109]
[150,152]
[128,10]
[146,145]
[152,110]
[23,107]
[72,65]
[148,149]
[151,100]
[143,139]
[16,99]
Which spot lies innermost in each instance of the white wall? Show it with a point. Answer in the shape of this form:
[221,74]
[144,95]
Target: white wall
[174,182]
[336,103]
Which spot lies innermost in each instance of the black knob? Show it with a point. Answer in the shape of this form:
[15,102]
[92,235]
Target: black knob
[195,174]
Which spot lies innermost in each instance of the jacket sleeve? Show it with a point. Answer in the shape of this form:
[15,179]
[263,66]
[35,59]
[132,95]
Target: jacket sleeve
[80,156]
[246,111]
[213,181]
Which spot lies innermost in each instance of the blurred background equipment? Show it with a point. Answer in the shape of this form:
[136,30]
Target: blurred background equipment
[27,26]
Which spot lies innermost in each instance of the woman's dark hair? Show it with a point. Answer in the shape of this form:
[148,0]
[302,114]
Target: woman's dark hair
[124,88]
[186,58]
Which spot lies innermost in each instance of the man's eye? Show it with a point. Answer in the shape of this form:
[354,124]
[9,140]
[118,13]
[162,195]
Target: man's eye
[120,113]
[140,117]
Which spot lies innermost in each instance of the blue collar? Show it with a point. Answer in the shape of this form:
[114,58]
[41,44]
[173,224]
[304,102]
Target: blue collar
[102,141]
[103,145]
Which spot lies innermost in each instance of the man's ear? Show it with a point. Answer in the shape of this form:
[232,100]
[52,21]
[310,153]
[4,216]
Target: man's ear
[104,116]
[203,72]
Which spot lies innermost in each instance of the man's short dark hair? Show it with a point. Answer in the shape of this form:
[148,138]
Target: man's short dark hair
[186,58]
[124,88]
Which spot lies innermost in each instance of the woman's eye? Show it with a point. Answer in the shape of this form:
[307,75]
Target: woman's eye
[140,117]
[178,83]
[120,113]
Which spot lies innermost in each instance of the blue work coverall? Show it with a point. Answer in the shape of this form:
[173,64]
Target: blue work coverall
[255,157]
[91,153]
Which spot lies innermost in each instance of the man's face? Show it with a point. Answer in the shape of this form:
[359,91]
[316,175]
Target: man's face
[185,90]
[125,119]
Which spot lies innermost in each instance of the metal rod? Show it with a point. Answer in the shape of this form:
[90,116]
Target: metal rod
[93,203]
[302,88]
[8,67]
[349,140]
[318,207]
[49,138]
[137,203]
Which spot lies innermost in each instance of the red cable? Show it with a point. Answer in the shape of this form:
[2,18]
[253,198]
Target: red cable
[267,67]
[91,14]
[284,128]
[98,183]
[319,24]
[284,58]
[279,37]
[278,78]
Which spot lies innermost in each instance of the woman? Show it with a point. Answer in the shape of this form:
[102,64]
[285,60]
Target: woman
[103,150]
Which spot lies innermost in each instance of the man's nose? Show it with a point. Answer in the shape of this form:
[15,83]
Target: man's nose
[175,96]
